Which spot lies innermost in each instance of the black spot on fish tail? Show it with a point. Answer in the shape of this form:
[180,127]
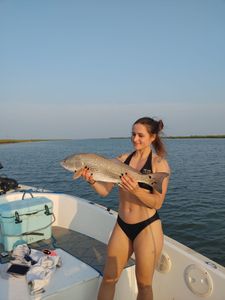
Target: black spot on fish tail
[158,179]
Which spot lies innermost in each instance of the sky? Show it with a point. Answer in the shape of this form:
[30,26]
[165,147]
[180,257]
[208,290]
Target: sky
[89,69]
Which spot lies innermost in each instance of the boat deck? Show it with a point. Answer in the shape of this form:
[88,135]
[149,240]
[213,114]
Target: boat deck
[83,260]
[87,249]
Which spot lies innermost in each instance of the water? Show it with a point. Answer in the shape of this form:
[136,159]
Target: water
[194,209]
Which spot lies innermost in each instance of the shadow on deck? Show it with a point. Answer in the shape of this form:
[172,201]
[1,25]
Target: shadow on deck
[87,249]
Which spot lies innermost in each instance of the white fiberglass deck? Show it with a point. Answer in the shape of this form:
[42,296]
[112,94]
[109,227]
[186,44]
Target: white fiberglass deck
[67,281]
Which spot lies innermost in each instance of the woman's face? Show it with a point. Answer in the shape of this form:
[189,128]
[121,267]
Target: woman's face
[140,137]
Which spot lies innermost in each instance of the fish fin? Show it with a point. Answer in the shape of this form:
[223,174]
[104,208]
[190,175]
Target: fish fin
[115,160]
[77,174]
[122,164]
[157,180]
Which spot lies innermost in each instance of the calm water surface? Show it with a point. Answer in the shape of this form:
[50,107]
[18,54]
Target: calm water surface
[194,209]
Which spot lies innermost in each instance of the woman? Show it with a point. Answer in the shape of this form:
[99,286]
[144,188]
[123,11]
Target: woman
[138,228]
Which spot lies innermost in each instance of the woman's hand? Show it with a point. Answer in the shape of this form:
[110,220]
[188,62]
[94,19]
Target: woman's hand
[128,183]
[88,176]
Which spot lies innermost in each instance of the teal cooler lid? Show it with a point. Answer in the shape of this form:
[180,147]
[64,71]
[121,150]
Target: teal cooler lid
[26,206]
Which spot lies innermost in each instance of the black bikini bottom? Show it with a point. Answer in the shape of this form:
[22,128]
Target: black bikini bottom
[132,230]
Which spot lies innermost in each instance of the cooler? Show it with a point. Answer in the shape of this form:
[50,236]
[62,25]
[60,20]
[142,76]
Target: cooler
[25,221]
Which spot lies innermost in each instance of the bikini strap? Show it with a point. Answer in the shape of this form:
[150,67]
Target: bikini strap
[148,164]
[128,159]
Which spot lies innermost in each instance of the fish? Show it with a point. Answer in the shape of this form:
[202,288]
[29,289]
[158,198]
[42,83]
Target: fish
[109,170]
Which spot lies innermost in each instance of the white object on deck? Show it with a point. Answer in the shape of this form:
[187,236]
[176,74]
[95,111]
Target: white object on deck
[72,278]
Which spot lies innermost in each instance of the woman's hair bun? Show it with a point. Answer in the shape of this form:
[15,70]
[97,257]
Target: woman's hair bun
[160,125]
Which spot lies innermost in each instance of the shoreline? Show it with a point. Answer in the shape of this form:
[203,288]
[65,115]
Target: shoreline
[211,136]
[14,141]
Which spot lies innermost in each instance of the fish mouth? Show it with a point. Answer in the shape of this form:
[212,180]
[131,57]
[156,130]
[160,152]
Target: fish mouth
[62,163]
[65,166]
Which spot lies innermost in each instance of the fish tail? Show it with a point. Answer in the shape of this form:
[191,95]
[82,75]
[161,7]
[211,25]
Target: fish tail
[156,180]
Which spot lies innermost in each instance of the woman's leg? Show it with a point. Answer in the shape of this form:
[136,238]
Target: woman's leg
[147,248]
[118,252]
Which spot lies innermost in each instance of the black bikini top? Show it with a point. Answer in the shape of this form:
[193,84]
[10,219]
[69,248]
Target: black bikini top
[146,169]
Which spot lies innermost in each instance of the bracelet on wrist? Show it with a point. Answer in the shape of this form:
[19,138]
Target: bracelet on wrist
[92,182]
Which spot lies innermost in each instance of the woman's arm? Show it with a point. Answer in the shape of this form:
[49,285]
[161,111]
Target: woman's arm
[152,200]
[102,188]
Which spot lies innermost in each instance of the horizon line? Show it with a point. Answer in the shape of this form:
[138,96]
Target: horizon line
[7,141]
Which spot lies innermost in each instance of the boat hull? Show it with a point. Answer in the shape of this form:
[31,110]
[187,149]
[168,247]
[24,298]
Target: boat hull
[181,273]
